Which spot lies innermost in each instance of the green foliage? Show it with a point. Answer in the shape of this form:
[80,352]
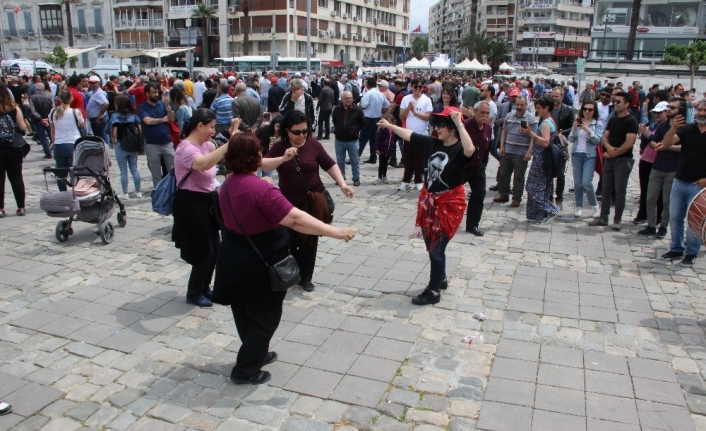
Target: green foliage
[204,12]
[482,42]
[59,57]
[693,56]
[420,45]
[498,51]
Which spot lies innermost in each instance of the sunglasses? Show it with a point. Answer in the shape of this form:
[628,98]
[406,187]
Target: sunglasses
[299,132]
[588,109]
[418,87]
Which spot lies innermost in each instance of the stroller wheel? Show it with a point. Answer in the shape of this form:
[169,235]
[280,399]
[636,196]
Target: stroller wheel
[62,231]
[122,220]
[106,231]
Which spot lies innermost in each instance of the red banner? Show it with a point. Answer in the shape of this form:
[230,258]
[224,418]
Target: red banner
[331,63]
[568,52]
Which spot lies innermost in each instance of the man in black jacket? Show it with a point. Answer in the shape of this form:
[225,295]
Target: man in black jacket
[298,99]
[274,97]
[40,105]
[325,106]
[348,121]
[563,117]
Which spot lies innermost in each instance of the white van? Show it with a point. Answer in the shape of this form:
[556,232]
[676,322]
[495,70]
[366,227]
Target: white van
[26,67]
[111,66]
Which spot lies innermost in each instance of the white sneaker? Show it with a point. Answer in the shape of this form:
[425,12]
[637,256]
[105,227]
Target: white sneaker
[384,180]
[404,186]
[596,212]
[378,182]
[138,195]
[419,186]
[577,212]
[123,197]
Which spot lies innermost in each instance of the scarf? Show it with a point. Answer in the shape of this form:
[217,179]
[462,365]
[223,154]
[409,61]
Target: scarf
[439,213]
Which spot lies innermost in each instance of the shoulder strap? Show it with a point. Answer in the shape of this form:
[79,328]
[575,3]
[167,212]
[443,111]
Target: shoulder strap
[76,121]
[230,206]
[299,170]
[183,180]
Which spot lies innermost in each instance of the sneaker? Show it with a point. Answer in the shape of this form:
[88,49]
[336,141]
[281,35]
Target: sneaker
[648,231]
[47,157]
[493,188]
[404,186]
[356,183]
[199,300]
[5,408]
[661,232]
[123,197]
[548,219]
[577,212]
[615,226]
[598,222]
[138,195]
[419,186]
[671,255]
[371,161]
[428,297]
[688,261]
[384,180]
[560,204]
[378,182]
[639,220]
[596,212]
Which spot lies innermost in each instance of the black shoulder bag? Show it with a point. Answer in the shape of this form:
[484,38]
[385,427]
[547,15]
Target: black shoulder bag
[283,274]
[329,200]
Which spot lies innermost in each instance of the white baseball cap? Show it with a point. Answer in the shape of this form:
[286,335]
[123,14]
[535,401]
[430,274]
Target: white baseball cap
[660,107]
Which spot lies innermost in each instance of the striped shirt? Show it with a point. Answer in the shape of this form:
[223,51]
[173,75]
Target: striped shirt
[222,106]
[515,142]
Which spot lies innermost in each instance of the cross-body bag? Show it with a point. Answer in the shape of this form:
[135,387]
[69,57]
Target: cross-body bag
[329,200]
[81,130]
[283,274]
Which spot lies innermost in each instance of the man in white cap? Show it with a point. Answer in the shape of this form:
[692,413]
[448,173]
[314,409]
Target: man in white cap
[97,106]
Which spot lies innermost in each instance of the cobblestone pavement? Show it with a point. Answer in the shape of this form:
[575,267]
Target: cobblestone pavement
[584,329]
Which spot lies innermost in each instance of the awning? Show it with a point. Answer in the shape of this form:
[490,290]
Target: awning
[124,53]
[34,55]
[166,52]
[71,52]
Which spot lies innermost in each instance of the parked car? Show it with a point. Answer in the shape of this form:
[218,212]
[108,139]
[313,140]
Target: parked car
[565,69]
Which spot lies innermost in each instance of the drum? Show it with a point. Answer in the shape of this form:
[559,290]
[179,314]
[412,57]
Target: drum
[696,215]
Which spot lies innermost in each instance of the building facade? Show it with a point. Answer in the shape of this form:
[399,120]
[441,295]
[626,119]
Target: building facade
[659,24]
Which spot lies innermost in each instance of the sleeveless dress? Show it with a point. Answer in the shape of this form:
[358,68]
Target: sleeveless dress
[539,184]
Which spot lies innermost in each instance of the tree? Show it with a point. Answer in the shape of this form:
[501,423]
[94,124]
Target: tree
[634,19]
[480,44]
[204,13]
[472,37]
[693,56]
[420,45]
[69,23]
[59,57]
[498,52]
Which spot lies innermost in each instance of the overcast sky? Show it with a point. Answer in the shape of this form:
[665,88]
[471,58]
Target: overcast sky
[419,14]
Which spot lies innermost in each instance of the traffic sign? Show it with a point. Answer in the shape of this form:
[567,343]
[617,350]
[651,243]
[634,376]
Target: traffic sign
[581,65]
[15,69]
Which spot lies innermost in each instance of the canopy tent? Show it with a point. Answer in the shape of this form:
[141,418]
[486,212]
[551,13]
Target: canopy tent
[473,65]
[159,53]
[34,55]
[123,54]
[415,64]
[440,63]
[506,66]
[71,52]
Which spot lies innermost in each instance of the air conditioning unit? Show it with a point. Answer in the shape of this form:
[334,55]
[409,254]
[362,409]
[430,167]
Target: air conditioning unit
[366,39]
[331,32]
[377,2]
[375,20]
[166,15]
[333,13]
[355,18]
[232,9]
[344,35]
[344,16]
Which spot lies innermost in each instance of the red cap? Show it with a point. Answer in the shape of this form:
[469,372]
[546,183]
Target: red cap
[273,80]
[284,73]
[447,111]
[517,82]
[514,92]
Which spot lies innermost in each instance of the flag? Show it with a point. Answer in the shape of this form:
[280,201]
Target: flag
[418,29]
[17,9]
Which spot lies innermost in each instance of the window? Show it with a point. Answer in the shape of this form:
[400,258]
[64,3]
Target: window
[323,3]
[50,18]
[98,20]
[12,29]
[28,22]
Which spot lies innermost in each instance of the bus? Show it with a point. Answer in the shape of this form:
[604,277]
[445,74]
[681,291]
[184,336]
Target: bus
[261,63]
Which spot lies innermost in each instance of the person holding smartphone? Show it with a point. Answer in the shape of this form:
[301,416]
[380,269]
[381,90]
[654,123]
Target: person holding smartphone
[584,137]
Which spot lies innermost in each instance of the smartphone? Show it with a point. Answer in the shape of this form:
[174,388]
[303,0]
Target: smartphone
[523,124]
[682,112]
[579,121]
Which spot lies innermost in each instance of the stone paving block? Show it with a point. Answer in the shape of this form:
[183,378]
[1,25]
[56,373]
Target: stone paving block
[560,400]
[361,325]
[559,376]
[513,349]
[587,299]
[125,341]
[388,349]
[550,421]
[563,297]
[373,368]
[514,369]
[561,356]
[31,398]
[599,314]
[281,373]
[610,408]
[595,289]
[407,398]
[563,285]
[293,353]
[536,293]
[603,362]
[631,304]
[317,383]
[638,319]
[398,331]
[63,326]
[148,424]
[169,412]
[62,424]
[360,416]
[305,406]
[262,415]
[510,392]
[525,305]
[504,417]
[651,369]
[93,333]
[664,417]
[31,424]
[298,423]
[9,420]
[602,425]
[609,383]
[336,361]
[359,391]
[35,319]
[570,311]
[83,411]
[658,391]
[294,314]
[323,319]
[331,411]
[306,334]
[347,341]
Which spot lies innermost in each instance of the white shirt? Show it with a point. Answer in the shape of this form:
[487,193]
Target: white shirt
[603,113]
[341,89]
[199,89]
[265,86]
[65,130]
[421,106]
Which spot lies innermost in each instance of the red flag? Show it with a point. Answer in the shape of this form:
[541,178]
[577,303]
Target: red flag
[418,29]
[17,9]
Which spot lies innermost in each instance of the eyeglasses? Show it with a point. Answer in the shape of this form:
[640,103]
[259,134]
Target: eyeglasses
[673,107]
[299,132]
[418,87]
[588,109]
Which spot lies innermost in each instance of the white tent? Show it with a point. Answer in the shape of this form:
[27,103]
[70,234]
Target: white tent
[159,53]
[414,63]
[506,66]
[78,51]
[477,65]
[440,63]
[465,65]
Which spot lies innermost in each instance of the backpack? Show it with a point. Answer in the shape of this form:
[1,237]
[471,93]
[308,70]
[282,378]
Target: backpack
[355,91]
[7,129]
[164,191]
[129,136]
[554,163]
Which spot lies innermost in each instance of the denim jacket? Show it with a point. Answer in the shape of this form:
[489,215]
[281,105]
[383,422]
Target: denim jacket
[592,141]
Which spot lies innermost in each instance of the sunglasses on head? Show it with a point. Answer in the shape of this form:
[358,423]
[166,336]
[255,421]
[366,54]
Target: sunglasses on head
[299,132]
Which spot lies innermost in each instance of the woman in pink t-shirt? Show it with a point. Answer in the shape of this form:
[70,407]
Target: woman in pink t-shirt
[196,225]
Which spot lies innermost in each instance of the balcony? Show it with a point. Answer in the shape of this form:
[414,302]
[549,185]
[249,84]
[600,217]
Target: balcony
[52,32]
[136,45]
[137,24]
[27,33]
[10,33]
[573,6]
[96,31]
[574,23]
[540,5]
[80,31]
[538,20]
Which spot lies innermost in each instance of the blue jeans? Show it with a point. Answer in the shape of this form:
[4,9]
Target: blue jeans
[98,127]
[494,144]
[368,134]
[263,102]
[583,178]
[261,173]
[351,148]
[63,158]
[125,159]
[681,196]
[437,260]
[42,132]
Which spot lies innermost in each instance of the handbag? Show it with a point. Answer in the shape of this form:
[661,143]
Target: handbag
[163,193]
[81,130]
[599,159]
[283,274]
[329,199]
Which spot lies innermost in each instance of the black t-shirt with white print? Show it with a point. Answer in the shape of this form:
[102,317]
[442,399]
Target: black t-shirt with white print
[445,165]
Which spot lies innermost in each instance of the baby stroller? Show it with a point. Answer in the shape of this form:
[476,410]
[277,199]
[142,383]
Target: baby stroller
[90,197]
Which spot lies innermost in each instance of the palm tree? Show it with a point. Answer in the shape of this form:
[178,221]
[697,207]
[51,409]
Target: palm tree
[498,52]
[67,5]
[482,45]
[204,13]
[472,36]
[634,18]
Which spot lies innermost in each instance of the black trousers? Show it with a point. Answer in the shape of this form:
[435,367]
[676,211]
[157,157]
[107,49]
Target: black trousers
[324,122]
[475,178]
[560,184]
[11,165]
[257,316]
[644,169]
[305,255]
[382,166]
[202,273]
